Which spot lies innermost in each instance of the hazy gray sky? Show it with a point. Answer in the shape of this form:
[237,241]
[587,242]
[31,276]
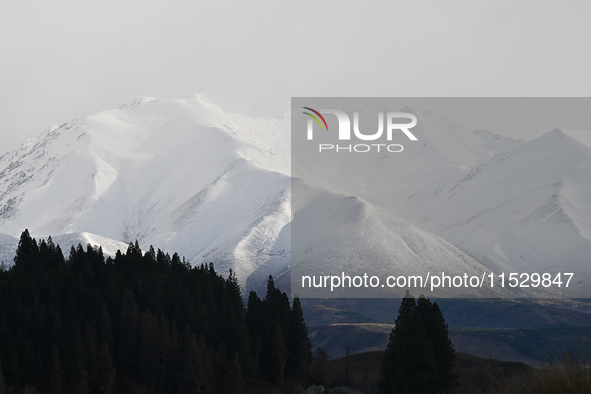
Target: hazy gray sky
[66,59]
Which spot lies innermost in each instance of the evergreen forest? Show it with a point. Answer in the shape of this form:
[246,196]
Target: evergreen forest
[141,322]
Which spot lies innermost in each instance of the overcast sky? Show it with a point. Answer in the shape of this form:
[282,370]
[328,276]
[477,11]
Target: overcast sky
[65,59]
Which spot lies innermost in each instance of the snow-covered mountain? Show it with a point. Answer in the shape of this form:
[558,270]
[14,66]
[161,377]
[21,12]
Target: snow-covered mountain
[444,150]
[527,208]
[514,206]
[178,174]
[186,177]
[336,234]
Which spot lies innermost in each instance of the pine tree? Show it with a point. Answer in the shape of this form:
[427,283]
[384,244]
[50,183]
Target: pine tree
[193,362]
[105,372]
[74,356]
[10,356]
[55,377]
[419,357]
[278,355]
[2,380]
[254,322]
[299,354]
[391,373]
[270,287]
[27,252]
[443,351]
[320,367]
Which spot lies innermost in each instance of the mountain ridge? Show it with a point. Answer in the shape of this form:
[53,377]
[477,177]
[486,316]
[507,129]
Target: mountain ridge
[187,177]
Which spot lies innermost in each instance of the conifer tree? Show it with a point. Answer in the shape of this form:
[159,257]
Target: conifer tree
[298,345]
[394,355]
[55,376]
[74,357]
[27,252]
[278,355]
[10,356]
[270,287]
[254,322]
[419,357]
[443,351]
[320,367]
[2,380]
[392,375]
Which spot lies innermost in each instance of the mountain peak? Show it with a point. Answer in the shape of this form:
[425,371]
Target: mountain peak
[142,100]
[182,175]
[563,140]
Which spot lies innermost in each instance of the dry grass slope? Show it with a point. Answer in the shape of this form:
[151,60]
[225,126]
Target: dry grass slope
[571,376]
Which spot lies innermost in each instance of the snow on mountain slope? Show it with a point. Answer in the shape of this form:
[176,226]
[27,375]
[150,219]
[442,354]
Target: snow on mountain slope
[444,149]
[527,209]
[179,174]
[67,241]
[335,234]
[8,246]
[186,177]
[515,206]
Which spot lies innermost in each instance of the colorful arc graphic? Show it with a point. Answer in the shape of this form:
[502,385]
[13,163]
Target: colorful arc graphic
[315,118]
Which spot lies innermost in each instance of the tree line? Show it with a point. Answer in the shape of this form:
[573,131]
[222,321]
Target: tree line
[140,322]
